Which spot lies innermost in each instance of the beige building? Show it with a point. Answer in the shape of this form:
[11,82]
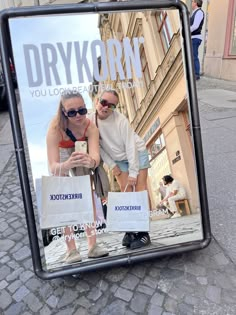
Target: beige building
[157,108]
[220,57]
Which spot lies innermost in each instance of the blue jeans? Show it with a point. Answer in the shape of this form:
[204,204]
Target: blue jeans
[196,42]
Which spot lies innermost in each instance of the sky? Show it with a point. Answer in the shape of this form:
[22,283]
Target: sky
[39,104]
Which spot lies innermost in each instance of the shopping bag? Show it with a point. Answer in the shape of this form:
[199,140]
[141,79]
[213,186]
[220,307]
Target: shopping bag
[66,201]
[128,212]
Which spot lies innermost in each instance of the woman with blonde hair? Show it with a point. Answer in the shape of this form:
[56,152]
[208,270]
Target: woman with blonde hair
[70,125]
[124,152]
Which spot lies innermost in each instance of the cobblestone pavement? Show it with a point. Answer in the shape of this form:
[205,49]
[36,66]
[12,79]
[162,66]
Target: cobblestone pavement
[200,282]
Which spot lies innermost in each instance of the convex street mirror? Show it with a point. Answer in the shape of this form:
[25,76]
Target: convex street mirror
[109,146]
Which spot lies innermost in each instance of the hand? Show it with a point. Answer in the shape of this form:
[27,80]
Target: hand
[81,159]
[132,181]
[116,171]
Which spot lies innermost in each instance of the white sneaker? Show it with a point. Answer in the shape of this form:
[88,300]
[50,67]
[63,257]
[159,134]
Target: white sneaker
[176,215]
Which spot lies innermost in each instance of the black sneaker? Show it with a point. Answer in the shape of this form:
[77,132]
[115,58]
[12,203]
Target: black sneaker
[128,238]
[141,239]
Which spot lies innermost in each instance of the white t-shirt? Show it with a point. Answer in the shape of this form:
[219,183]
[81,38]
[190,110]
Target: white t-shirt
[175,185]
[119,142]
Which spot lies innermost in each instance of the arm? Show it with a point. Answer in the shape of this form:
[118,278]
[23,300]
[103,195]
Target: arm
[197,20]
[93,146]
[131,148]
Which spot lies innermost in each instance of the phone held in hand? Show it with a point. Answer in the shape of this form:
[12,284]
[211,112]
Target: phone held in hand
[81,146]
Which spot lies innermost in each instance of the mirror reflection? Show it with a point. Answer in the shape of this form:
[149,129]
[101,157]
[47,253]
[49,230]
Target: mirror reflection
[107,124]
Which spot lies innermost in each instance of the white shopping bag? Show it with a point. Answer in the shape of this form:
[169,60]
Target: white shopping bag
[128,212]
[66,201]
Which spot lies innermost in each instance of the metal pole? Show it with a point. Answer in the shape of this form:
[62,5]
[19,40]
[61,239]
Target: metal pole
[36,2]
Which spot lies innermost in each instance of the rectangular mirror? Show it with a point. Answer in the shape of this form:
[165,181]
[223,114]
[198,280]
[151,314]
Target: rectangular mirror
[130,69]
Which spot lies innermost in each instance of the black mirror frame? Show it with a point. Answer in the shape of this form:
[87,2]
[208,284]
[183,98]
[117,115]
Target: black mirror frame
[18,138]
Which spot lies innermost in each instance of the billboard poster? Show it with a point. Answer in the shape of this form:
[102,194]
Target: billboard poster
[106,115]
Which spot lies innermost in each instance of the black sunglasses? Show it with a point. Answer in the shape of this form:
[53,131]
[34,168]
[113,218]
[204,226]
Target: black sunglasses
[74,112]
[106,103]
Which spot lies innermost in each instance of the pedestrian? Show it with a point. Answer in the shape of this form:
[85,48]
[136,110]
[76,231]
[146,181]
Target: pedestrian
[196,23]
[175,191]
[71,121]
[124,152]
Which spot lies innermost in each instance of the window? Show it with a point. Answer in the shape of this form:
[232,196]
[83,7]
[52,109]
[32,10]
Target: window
[233,37]
[230,40]
[145,69]
[156,147]
[164,29]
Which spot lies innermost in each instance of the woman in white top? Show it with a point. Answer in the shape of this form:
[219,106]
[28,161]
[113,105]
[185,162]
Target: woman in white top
[123,151]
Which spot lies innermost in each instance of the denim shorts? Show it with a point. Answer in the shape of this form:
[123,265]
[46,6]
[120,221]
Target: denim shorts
[143,162]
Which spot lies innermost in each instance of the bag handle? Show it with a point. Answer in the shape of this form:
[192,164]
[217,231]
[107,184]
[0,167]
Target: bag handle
[127,186]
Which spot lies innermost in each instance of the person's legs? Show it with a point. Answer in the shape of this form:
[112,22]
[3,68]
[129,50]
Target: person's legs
[195,44]
[172,204]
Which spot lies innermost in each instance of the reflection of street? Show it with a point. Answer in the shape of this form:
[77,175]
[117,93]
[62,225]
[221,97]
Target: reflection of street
[163,233]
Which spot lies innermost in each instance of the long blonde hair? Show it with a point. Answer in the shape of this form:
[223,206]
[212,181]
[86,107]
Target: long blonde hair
[60,121]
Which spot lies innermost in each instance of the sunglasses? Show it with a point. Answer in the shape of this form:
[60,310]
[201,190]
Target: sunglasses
[74,112]
[106,103]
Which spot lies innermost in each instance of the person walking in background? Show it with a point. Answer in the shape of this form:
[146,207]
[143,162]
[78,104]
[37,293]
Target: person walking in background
[124,152]
[71,122]
[175,191]
[196,23]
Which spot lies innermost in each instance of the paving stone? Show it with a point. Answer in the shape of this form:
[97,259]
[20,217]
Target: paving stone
[176,293]
[154,310]
[228,296]
[154,273]
[150,282]
[213,293]
[164,285]
[195,269]
[185,309]
[116,275]
[45,291]
[14,275]
[15,309]
[191,300]
[5,299]
[202,280]
[66,311]
[144,289]
[139,302]
[26,275]
[22,253]
[117,307]
[100,304]
[33,302]
[20,293]
[124,294]
[14,286]
[138,270]
[33,284]
[94,294]
[4,260]
[67,298]
[83,301]
[103,285]
[3,284]
[52,301]
[3,226]
[222,281]
[81,311]
[170,305]
[130,282]
[4,272]
[13,264]
[6,244]
[157,299]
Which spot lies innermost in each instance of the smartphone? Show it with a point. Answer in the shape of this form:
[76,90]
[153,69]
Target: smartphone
[81,146]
